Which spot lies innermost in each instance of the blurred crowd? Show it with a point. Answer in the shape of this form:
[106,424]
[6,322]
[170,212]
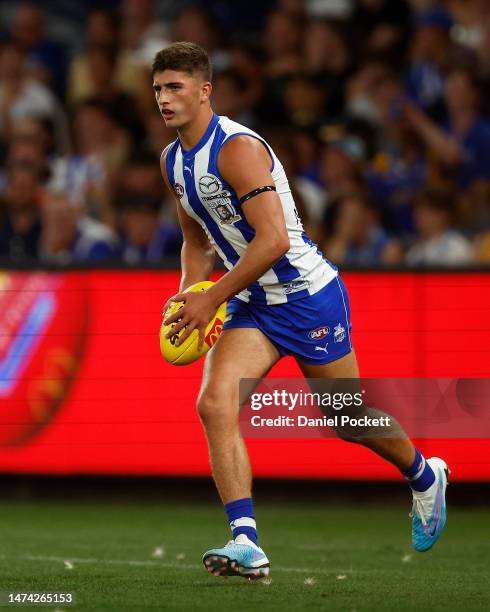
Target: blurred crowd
[378,109]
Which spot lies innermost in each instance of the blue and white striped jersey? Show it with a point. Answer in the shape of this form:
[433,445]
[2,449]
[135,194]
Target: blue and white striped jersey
[212,202]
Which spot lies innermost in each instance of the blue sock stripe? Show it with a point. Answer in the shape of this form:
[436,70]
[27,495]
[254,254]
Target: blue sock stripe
[240,507]
[416,465]
[420,475]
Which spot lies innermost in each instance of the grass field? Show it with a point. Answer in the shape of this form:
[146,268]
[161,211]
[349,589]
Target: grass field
[338,558]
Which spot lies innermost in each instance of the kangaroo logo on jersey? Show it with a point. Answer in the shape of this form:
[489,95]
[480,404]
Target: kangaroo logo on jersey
[338,333]
[209,184]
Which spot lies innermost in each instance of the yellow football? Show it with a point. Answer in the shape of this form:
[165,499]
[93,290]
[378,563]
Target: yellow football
[187,352]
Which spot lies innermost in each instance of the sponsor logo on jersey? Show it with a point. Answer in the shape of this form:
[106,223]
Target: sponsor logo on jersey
[319,333]
[338,333]
[217,196]
[209,184]
[179,190]
[295,285]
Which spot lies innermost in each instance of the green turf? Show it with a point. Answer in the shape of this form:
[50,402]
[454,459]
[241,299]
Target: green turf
[310,548]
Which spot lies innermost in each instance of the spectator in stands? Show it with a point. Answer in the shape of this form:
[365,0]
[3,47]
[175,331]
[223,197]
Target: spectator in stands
[157,135]
[304,102]
[102,31]
[431,53]
[327,58]
[361,91]
[141,33]
[121,106]
[398,170]
[21,96]
[282,40]
[439,243]
[473,208]
[46,58]
[354,235]
[21,225]
[248,61]
[482,249]
[28,152]
[90,174]
[298,69]
[382,27]
[471,19]
[145,237]
[98,137]
[341,162]
[228,99]
[197,25]
[462,144]
[69,236]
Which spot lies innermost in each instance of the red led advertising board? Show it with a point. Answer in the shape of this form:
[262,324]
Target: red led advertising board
[83,388]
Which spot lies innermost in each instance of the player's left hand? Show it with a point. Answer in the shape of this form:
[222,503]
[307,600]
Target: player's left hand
[196,313]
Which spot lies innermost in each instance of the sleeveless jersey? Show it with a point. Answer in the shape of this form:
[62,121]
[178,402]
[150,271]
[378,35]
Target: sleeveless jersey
[213,203]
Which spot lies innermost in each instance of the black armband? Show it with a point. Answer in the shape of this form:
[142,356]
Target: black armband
[255,192]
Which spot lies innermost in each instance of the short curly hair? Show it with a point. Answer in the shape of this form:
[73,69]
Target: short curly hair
[185,57]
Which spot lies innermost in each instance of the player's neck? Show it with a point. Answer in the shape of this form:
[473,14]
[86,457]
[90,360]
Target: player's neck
[191,134]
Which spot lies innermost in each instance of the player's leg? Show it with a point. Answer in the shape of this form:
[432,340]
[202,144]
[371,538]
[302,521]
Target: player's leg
[427,479]
[398,450]
[239,353]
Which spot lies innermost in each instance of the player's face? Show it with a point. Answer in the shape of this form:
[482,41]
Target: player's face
[179,96]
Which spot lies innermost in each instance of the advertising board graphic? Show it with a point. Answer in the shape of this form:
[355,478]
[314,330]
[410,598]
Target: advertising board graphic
[84,389]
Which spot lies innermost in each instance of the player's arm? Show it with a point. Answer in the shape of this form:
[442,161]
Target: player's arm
[197,254]
[245,164]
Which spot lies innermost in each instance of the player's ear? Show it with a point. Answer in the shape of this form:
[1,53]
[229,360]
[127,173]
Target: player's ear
[206,89]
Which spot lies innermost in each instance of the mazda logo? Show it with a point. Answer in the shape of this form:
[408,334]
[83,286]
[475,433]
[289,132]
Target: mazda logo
[208,184]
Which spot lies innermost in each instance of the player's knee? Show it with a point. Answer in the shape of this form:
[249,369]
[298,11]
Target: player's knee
[212,408]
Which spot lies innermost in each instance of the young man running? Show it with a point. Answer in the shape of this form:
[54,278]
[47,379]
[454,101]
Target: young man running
[233,198]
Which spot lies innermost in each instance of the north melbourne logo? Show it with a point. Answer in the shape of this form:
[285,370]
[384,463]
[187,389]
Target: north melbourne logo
[338,333]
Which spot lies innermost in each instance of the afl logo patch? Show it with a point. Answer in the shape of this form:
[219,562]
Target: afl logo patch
[319,333]
[209,184]
[179,190]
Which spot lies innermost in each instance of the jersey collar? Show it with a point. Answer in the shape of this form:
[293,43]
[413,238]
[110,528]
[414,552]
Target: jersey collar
[203,140]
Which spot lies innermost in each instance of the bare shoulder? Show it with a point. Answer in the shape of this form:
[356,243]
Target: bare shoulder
[243,146]
[242,156]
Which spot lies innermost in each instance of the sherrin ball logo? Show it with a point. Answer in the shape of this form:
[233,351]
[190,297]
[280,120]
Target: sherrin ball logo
[319,333]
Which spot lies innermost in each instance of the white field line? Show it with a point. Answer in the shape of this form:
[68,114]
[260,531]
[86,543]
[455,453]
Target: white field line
[171,565]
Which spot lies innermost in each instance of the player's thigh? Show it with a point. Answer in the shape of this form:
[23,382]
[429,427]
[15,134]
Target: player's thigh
[345,367]
[339,376]
[238,353]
